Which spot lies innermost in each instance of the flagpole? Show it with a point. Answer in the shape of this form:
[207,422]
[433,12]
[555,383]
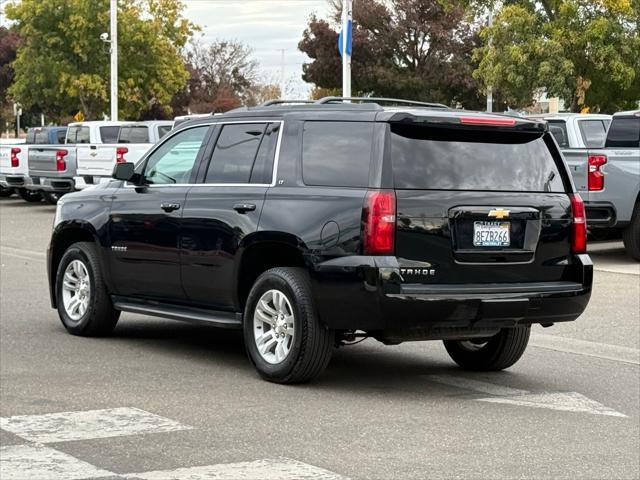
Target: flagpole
[347,15]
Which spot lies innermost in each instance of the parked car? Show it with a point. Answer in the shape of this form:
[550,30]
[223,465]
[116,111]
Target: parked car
[607,175]
[309,226]
[133,140]
[52,168]
[14,169]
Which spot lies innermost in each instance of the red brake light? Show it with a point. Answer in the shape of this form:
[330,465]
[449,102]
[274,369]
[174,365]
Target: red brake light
[579,228]
[61,164]
[379,223]
[596,177]
[496,121]
[120,151]
[15,161]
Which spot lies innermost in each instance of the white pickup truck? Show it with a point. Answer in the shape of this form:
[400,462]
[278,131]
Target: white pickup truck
[52,167]
[14,168]
[94,163]
[604,160]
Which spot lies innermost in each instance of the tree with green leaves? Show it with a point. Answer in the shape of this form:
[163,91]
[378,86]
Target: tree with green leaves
[415,49]
[586,52]
[62,66]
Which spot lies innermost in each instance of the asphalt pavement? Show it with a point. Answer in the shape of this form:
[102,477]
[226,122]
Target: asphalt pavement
[162,399]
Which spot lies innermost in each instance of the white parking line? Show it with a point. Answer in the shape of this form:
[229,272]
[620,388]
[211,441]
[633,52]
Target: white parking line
[584,347]
[475,385]
[69,426]
[280,469]
[37,462]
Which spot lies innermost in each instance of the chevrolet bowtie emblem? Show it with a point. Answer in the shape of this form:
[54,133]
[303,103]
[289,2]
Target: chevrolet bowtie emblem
[499,213]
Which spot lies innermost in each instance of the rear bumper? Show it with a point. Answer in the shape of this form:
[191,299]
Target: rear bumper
[13,181]
[57,185]
[378,301]
[600,214]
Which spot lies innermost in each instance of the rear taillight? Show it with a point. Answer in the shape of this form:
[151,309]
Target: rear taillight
[379,223]
[61,164]
[579,227]
[120,152]
[15,161]
[596,177]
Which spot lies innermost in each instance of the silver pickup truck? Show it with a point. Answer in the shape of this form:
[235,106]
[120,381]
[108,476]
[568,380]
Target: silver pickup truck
[605,169]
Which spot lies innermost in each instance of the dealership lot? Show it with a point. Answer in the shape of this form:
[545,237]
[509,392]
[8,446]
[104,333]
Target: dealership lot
[162,399]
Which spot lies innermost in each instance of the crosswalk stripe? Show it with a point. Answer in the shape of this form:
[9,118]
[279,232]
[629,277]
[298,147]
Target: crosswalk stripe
[272,469]
[90,424]
[37,462]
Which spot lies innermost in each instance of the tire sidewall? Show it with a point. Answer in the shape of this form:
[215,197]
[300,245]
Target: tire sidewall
[270,281]
[76,326]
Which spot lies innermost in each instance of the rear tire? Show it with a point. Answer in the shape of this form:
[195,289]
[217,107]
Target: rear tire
[30,196]
[283,335]
[499,352]
[6,192]
[51,197]
[631,235]
[79,281]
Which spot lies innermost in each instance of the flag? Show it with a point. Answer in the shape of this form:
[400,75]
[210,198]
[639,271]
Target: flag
[349,29]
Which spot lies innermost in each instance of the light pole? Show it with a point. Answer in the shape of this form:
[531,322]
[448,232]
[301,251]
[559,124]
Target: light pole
[114,60]
[489,87]
[347,16]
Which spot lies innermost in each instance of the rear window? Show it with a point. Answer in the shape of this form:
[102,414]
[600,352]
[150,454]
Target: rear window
[61,135]
[42,136]
[454,159]
[163,130]
[624,132]
[109,134]
[78,135]
[137,134]
[593,132]
[337,154]
[558,129]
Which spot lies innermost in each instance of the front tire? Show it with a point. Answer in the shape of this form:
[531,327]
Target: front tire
[51,197]
[283,335]
[631,235]
[84,305]
[495,353]
[31,196]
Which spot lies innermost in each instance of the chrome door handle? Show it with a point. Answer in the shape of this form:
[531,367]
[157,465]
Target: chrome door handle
[169,207]
[244,207]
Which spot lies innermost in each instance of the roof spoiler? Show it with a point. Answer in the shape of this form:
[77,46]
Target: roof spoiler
[473,120]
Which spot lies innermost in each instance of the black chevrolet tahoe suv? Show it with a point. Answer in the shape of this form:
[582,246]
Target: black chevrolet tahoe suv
[312,225]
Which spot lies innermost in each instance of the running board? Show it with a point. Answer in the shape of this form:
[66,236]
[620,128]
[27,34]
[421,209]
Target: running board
[201,316]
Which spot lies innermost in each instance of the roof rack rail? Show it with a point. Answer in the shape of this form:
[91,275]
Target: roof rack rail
[326,100]
[268,103]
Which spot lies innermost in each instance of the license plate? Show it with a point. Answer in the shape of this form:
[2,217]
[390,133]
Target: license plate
[491,234]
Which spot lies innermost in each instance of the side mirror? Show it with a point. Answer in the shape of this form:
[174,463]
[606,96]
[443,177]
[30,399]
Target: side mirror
[124,171]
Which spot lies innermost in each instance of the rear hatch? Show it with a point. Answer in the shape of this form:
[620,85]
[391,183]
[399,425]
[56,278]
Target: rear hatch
[480,204]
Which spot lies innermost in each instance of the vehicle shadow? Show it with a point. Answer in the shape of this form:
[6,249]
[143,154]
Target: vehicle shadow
[370,368]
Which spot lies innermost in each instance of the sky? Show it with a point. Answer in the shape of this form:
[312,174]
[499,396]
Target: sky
[267,26]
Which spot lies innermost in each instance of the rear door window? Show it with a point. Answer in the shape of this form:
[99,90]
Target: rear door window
[337,154]
[624,132]
[134,134]
[109,134]
[430,158]
[236,152]
[558,129]
[593,132]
